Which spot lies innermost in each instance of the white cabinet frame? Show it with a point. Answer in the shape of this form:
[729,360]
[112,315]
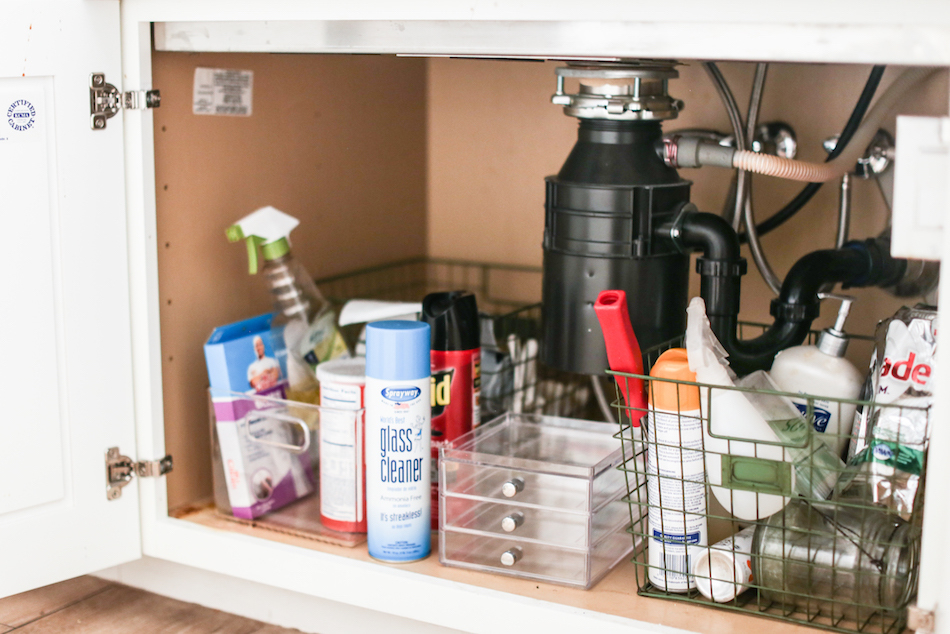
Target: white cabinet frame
[824,31]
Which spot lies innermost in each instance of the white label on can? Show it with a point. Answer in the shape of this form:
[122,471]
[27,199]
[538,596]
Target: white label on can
[398,441]
[341,473]
[676,492]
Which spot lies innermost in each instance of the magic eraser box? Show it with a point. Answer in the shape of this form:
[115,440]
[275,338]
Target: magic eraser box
[263,442]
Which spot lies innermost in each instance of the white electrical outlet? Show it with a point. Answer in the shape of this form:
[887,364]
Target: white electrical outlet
[921,180]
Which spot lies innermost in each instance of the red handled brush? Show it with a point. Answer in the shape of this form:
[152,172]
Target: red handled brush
[623,350]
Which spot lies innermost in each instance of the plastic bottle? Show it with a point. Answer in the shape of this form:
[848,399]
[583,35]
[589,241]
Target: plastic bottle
[822,370]
[398,441]
[676,486]
[724,570]
[342,438]
[304,329]
[456,372]
[749,425]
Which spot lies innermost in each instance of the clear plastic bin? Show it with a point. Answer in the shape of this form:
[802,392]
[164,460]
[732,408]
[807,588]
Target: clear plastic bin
[537,497]
[265,472]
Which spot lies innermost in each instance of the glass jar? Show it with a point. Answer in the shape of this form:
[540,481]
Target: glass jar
[836,560]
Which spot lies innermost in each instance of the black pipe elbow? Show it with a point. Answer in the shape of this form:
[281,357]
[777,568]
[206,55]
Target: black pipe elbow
[798,299]
[722,264]
[721,267]
[709,232]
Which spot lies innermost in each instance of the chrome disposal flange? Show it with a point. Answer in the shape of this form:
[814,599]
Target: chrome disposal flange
[620,91]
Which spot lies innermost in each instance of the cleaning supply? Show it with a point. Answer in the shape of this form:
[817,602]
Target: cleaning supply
[304,322]
[676,487]
[724,570]
[623,350]
[398,440]
[263,442]
[455,362]
[342,438]
[364,311]
[732,416]
[892,433]
[759,449]
[823,370]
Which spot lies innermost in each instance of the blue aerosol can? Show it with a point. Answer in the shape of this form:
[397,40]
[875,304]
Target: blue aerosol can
[398,440]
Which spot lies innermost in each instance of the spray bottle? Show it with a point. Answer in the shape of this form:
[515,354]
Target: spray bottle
[676,487]
[303,329]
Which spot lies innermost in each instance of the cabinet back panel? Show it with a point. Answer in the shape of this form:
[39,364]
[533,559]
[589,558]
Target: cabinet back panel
[384,158]
[337,141]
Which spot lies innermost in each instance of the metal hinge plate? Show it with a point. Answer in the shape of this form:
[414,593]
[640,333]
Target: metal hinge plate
[121,469]
[920,620]
[105,100]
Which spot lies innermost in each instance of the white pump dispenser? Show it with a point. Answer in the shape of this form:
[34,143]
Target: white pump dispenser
[822,370]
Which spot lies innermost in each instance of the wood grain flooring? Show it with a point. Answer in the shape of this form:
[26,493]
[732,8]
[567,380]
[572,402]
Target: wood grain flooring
[87,605]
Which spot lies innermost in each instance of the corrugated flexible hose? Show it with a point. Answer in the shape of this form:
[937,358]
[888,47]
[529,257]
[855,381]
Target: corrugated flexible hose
[821,172]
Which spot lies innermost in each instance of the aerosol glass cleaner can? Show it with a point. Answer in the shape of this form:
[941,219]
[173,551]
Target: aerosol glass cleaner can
[398,440]
[676,486]
[455,385]
[342,437]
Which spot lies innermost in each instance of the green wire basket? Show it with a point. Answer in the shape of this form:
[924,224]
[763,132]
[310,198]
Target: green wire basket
[847,564]
[513,379]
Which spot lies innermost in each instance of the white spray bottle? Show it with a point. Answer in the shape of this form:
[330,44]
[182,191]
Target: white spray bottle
[304,324]
[823,370]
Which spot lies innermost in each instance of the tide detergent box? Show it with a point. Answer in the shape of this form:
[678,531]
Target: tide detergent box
[253,424]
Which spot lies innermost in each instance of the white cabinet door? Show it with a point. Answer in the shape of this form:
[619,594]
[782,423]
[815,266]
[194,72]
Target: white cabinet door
[65,370]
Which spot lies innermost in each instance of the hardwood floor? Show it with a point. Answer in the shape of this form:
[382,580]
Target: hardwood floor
[87,605]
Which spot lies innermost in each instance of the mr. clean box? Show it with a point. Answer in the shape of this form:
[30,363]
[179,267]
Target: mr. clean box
[245,378]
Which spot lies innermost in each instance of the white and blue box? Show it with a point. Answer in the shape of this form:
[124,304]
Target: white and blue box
[247,385]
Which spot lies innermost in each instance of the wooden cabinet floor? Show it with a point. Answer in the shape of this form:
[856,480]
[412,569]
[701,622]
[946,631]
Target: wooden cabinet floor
[88,605]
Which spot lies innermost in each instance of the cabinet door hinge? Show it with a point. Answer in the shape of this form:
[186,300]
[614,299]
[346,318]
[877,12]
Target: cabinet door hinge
[120,470]
[105,100]
[920,620]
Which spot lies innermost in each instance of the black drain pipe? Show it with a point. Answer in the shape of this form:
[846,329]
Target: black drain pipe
[721,266]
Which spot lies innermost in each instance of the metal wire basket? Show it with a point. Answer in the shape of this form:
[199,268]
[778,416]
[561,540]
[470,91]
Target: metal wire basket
[774,525]
[513,379]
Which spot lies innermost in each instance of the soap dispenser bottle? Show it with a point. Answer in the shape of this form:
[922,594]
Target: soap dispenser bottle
[304,326]
[822,371]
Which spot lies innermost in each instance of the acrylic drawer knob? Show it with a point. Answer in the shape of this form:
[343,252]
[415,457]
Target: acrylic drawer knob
[513,521]
[511,556]
[513,487]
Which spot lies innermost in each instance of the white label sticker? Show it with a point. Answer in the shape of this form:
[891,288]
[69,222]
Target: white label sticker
[223,91]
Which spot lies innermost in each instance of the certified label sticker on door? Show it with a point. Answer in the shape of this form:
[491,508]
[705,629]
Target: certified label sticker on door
[21,115]
[221,91]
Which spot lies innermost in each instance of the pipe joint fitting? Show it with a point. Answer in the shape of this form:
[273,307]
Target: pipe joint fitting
[721,268]
[691,151]
[794,313]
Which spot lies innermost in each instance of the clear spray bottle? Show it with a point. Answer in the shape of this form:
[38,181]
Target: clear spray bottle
[304,327]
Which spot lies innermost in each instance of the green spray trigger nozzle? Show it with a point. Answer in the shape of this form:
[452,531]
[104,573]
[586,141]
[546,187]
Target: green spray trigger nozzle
[267,228]
[234,234]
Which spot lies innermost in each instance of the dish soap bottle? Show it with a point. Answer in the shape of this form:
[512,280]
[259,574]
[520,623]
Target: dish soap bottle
[822,370]
[304,327]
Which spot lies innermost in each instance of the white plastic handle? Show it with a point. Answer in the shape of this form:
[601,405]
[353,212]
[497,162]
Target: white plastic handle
[284,418]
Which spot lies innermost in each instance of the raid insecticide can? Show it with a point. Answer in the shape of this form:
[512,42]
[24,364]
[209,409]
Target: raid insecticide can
[456,373]
[398,441]
[676,489]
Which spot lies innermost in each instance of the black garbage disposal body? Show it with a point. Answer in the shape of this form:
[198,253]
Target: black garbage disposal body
[601,210]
